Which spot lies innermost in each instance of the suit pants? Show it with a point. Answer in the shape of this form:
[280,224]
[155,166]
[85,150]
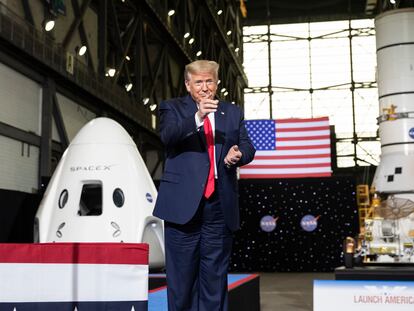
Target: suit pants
[197,260]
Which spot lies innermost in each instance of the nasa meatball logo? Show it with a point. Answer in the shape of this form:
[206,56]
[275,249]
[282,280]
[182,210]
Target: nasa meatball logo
[411,132]
[149,197]
[268,223]
[309,223]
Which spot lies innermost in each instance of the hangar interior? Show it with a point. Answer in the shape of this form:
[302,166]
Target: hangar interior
[64,63]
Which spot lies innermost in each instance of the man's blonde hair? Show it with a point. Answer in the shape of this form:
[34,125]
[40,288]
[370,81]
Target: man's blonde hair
[199,66]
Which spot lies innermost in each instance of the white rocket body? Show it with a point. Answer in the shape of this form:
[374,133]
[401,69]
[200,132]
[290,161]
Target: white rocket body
[392,235]
[395,59]
[101,191]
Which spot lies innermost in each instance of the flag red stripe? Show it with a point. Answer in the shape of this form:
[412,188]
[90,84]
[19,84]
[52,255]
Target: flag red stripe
[264,166]
[298,120]
[80,253]
[296,156]
[302,129]
[302,147]
[304,175]
[302,138]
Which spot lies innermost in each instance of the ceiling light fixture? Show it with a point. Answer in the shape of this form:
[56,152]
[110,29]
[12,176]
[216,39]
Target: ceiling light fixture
[153,107]
[128,87]
[49,25]
[82,50]
[191,41]
[199,53]
[145,101]
[111,72]
[219,12]
[171,12]
[229,32]
[186,35]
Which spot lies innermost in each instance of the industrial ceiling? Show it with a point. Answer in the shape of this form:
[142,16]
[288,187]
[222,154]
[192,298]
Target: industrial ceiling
[299,11]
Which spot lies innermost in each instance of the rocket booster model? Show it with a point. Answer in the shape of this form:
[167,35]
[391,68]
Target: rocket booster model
[389,234]
[395,55]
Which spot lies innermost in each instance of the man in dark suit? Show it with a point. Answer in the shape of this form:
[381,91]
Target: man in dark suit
[205,141]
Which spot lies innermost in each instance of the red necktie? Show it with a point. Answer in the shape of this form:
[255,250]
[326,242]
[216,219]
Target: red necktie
[209,189]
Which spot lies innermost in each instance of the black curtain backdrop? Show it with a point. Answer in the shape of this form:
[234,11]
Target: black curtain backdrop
[17,212]
[289,247]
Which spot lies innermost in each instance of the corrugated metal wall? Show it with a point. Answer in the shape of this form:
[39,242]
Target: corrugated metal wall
[20,100]
[19,165]
[20,108]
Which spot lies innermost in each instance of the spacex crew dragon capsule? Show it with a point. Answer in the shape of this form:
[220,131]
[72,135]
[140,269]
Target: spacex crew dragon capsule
[101,191]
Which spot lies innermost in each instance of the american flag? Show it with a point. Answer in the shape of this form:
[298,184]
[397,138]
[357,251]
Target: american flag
[289,148]
[74,276]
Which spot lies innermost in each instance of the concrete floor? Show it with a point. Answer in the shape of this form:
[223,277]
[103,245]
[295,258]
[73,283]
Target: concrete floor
[289,291]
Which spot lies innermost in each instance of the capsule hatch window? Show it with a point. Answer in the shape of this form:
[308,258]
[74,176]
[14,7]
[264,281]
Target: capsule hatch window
[91,199]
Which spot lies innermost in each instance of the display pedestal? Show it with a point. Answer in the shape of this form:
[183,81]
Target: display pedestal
[244,292]
[394,272]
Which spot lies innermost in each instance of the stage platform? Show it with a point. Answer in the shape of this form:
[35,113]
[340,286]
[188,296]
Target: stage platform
[381,272]
[243,292]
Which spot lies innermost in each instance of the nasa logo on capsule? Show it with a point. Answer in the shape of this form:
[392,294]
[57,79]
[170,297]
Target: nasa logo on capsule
[309,222]
[411,132]
[268,223]
[149,197]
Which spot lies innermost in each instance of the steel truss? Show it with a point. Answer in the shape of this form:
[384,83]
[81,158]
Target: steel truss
[146,46]
[351,85]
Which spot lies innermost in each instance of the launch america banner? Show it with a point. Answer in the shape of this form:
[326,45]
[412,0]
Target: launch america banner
[363,295]
[74,276]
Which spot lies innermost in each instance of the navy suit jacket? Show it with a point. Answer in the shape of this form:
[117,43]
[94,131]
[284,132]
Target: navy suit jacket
[187,163]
